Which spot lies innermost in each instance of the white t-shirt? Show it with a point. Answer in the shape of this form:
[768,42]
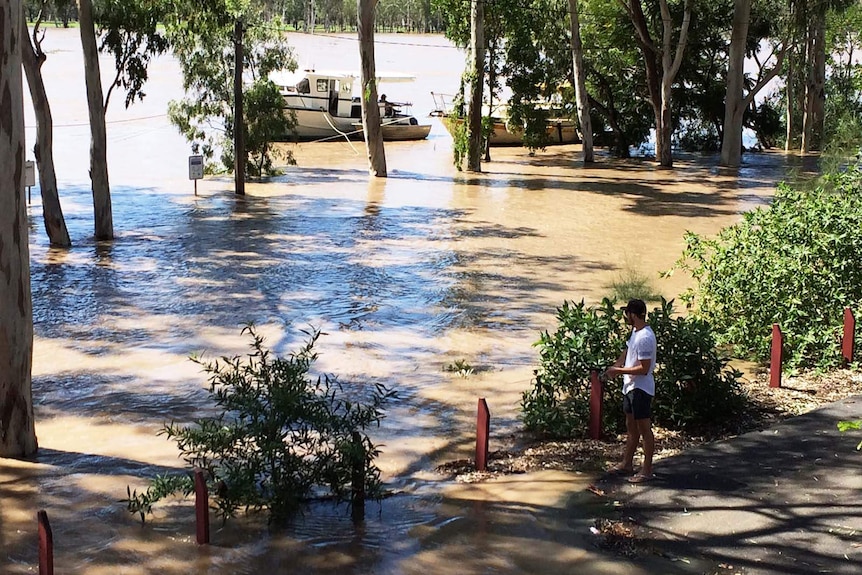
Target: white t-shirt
[641,345]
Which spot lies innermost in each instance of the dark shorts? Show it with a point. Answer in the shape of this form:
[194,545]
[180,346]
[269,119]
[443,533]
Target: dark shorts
[637,402]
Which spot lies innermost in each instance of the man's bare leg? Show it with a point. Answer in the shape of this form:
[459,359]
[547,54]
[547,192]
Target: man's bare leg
[632,439]
[645,431]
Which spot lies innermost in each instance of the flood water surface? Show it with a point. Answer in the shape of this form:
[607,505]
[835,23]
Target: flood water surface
[406,276]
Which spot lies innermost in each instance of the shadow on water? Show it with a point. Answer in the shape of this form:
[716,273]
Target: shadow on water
[404,275]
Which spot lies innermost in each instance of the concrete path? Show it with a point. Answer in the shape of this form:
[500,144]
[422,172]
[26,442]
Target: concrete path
[786,500]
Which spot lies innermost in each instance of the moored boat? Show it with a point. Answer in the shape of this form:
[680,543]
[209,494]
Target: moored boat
[558,130]
[325,107]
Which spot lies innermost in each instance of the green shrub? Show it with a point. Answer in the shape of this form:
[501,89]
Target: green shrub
[694,386]
[586,338]
[795,263]
[280,438]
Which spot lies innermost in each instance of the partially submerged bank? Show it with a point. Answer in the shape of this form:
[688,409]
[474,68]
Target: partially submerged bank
[613,526]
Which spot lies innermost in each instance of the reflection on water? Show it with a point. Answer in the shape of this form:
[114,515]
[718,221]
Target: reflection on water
[405,275]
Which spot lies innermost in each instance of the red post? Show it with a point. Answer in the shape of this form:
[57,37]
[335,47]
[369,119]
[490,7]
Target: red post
[595,405]
[777,356]
[848,342]
[483,429]
[46,544]
[202,509]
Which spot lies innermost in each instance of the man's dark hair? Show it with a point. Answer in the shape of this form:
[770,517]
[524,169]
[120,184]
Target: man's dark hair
[636,306]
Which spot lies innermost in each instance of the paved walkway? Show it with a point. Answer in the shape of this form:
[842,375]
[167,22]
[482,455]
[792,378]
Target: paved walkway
[786,500]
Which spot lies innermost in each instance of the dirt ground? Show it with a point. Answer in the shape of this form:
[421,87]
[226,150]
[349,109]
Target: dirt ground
[798,394]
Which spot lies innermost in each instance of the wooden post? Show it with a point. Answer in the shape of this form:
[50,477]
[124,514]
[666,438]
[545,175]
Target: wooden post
[776,357]
[357,480]
[46,544]
[483,429]
[202,509]
[595,405]
[848,342]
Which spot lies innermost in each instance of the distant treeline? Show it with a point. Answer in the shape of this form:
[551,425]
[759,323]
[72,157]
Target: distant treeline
[416,16]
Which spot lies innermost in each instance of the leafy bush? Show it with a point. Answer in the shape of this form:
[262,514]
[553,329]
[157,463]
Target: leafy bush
[586,338]
[694,386]
[280,437]
[795,263]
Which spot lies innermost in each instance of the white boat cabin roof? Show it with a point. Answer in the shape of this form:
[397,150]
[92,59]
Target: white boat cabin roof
[313,81]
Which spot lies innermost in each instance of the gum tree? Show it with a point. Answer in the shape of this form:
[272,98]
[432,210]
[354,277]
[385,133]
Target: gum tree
[32,57]
[17,430]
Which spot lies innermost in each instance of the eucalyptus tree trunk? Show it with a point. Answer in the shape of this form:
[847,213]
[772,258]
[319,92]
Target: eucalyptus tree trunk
[815,96]
[17,429]
[104,220]
[662,65]
[581,97]
[790,117]
[734,102]
[370,109]
[240,157]
[32,58]
[474,115]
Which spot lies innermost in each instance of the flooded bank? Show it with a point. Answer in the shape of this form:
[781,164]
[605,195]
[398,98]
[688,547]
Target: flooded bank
[406,275]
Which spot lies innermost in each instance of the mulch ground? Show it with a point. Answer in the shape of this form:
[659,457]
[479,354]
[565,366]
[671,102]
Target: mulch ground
[766,406]
[799,394]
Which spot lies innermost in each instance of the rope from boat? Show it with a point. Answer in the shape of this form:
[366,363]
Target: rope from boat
[346,136]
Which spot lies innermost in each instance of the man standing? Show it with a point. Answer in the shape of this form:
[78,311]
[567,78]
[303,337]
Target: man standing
[636,364]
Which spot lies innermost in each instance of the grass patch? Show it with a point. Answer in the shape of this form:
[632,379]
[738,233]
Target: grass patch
[631,283]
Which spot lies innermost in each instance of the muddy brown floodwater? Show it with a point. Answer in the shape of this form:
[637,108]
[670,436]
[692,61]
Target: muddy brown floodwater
[406,275]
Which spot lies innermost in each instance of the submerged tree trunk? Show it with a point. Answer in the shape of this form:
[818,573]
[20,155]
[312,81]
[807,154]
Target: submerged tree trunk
[662,65]
[370,109]
[17,429]
[474,116]
[240,157]
[734,102]
[52,213]
[581,96]
[812,118]
[104,220]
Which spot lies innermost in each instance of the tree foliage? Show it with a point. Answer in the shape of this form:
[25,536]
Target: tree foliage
[279,437]
[202,38]
[794,263]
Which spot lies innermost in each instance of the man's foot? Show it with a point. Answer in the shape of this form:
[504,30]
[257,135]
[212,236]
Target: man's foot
[641,478]
[619,470]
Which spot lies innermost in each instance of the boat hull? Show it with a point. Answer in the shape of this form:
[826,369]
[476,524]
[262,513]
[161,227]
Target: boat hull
[400,132]
[559,131]
[313,125]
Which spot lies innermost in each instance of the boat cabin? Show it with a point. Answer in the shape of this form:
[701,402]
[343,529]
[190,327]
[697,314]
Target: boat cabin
[311,90]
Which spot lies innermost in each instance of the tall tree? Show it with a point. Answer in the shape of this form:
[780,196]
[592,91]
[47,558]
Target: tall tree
[103,215]
[477,81]
[201,36]
[17,429]
[32,58]
[580,75]
[662,63]
[736,100]
[370,109]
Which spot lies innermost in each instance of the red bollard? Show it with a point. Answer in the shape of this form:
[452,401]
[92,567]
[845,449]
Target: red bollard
[777,356]
[848,342]
[483,429]
[46,544]
[595,405]
[202,510]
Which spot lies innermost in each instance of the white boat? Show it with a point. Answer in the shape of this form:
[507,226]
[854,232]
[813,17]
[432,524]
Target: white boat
[326,108]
